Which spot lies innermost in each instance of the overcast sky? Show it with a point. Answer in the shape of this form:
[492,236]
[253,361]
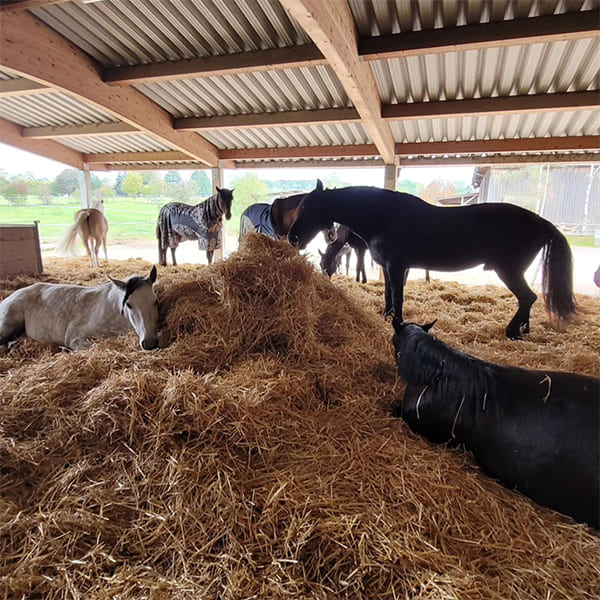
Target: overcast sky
[15,161]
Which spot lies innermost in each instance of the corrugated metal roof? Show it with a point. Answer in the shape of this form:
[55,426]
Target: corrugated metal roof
[512,126]
[115,143]
[269,91]
[124,32]
[130,32]
[50,109]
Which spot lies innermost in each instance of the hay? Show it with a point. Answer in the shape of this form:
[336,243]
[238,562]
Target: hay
[253,455]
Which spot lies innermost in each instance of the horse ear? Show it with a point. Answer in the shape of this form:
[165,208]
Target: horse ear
[321,253]
[152,277]
[217,188]
[120,284]
[428,326]
[319,187]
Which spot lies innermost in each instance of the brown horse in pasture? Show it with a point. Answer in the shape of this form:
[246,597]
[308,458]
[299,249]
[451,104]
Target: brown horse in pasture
[92,227]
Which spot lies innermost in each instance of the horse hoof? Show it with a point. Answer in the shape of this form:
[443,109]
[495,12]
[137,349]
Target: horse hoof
[388,312]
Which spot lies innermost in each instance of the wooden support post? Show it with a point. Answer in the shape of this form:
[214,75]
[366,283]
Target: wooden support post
[389,183]
[217,180]
[86,187]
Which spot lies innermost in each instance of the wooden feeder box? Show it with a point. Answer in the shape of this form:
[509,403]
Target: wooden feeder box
[20,251]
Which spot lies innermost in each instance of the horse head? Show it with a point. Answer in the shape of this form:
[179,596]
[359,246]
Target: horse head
[224,199]
[140,307]
[310,219]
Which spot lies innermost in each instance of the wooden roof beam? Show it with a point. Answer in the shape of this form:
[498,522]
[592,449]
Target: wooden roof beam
[331,26]
[491,106]
[278,119]
[544,144]
[225,64]
[516,32]
[10,133]
[134,157]
[21,87]
[575,158]
[31,49]
[26,4]
[300,152]
[95,129]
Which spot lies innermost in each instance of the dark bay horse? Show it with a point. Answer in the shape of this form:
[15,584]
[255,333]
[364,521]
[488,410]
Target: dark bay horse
[403,231]
[92,227]
[534,431]
[178,222]
[273,220]
[329,257]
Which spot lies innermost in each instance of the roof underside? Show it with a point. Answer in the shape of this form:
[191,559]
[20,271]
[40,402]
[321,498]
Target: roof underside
[141,84]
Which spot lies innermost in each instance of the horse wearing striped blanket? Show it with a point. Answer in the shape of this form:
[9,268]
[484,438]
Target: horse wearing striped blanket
[178,222]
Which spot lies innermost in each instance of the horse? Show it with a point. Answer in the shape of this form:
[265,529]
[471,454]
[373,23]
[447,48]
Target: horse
[597,277]
[178,222]
[535,431]
[403,231]
[273,220]
[344,236]
[72,315]
[92,227]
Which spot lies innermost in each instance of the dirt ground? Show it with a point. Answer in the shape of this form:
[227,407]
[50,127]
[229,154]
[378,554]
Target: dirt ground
[586,261]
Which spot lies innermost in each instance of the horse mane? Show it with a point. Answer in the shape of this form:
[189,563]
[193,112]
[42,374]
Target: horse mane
[424,360]
[131,284]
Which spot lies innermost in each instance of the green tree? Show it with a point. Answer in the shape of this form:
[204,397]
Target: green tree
[173,178]
[119,182]
[248,189]
[132,184]
[201,184]
[410,187]
[67,182]
[439,188]
[152,184]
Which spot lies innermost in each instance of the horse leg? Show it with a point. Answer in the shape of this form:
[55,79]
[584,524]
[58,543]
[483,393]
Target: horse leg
[394,286]
[172,257]
[347,263]
[96,248]
[86,241]
[360,266]
[515,282]
[209,256]
[104,247]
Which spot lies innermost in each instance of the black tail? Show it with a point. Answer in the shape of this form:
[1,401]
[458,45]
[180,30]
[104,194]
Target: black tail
[557,277]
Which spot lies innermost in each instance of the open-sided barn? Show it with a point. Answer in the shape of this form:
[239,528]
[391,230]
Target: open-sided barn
[254,454]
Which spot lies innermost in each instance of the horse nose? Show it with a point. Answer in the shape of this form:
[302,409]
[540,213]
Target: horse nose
[149,343]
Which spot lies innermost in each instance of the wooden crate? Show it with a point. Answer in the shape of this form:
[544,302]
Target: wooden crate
[20,250]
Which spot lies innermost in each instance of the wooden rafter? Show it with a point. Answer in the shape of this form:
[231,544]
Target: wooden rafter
[25,4]
[31,49]
[544,144]
[21,87]
[134,157]
[331,27]
[10,133]
[575,158]
[95,129]
[534,30]
[288,119]
[210,66]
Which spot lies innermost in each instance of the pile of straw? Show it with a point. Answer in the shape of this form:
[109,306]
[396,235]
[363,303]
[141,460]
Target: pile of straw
[253,455]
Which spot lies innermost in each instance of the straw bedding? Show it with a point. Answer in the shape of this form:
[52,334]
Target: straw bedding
[253,455]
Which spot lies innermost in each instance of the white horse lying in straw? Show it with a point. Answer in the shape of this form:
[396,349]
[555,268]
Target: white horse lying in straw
[72,315]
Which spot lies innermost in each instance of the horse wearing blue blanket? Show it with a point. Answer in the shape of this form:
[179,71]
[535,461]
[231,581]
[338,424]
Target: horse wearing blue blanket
[535,431]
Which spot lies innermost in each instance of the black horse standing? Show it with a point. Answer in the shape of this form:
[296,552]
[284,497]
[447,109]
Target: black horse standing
[534,431]
[403,231]
[178,222]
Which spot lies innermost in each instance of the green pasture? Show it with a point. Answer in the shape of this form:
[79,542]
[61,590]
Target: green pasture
[128,218]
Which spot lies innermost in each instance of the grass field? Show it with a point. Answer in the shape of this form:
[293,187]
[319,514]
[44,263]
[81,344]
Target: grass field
[129,218]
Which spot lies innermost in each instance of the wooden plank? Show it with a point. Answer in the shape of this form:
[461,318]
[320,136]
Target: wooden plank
[300,152]
[491,106]
[138,157]
[278,119]
[211,66]
[331,26]
[21,87]
[98,129]
[10,133]
[533,30]
[31,49]
[26,4]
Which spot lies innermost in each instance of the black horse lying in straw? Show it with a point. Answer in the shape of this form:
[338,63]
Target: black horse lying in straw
[534,431]
[178,222]
[343,235]
[273,220]
[403,231]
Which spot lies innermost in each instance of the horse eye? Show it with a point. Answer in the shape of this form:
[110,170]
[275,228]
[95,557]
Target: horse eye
[128,305]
